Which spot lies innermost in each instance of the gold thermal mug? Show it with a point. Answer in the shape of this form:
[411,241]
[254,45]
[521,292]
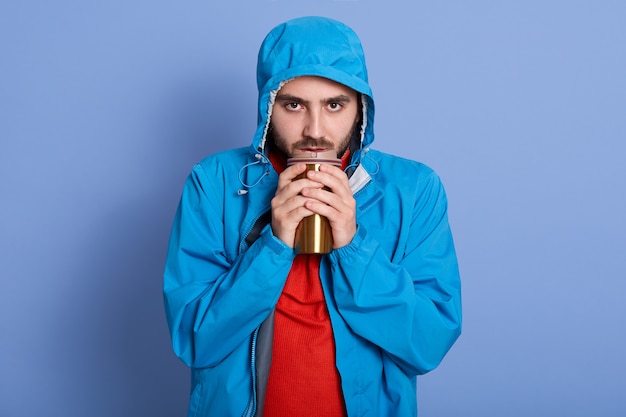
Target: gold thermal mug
[314,234]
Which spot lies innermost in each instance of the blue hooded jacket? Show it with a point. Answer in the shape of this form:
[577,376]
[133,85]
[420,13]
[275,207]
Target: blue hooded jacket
[393,293]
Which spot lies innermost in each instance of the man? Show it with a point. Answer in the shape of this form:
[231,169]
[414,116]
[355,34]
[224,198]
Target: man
[271,332]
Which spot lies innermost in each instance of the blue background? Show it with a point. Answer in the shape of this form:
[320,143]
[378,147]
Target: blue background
[520,106]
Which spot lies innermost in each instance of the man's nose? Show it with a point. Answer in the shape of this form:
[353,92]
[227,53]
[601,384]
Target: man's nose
[314,127]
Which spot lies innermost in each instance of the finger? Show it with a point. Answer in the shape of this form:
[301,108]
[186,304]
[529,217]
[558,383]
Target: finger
[289,181]
[287,216]
[284,209]
[335,180]
[293,189]
[290,173]
[327,203]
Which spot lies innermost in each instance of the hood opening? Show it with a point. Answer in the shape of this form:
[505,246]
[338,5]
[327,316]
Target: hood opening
[312,46]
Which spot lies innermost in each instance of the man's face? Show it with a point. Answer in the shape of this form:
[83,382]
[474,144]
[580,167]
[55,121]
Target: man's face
[314,114]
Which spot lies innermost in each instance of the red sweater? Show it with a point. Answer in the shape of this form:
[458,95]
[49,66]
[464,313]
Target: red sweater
[303,379]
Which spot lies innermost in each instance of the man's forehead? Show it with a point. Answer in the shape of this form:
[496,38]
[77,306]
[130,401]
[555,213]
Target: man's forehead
[315,86]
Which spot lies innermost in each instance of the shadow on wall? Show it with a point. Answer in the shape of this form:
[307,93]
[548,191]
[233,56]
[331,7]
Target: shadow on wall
[116,355]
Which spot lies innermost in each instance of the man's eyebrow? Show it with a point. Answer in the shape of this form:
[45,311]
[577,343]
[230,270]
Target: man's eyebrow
[291,99]
[338,99]
[294,99]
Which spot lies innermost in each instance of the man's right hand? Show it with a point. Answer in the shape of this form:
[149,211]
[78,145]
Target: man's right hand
[288,203]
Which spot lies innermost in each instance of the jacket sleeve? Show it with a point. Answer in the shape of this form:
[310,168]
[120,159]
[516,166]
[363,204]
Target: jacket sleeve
[212,303]
[410,308]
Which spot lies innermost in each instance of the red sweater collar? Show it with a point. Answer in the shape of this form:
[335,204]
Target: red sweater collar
[279,161]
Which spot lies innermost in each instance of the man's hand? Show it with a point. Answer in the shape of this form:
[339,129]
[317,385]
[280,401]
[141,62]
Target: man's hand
[288,204]
[295,200]
[336,202]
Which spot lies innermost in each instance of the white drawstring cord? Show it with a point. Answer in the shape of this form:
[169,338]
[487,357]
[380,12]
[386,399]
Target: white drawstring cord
[261,159]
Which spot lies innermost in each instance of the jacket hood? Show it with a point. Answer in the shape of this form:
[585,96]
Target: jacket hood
[311,46]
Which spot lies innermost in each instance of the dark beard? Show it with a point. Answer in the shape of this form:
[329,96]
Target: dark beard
[279,143]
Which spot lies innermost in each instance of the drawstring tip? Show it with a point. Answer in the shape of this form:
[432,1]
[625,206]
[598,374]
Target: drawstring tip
[242,192]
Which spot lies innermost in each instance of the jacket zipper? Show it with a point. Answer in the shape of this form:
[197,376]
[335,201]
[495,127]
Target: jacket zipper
[258,225]
[250,409]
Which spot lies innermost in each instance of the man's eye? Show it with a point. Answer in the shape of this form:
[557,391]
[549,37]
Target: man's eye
[293,106]
[334,106]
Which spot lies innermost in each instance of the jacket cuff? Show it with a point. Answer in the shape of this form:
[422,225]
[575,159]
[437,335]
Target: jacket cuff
[352,248]
[274,244]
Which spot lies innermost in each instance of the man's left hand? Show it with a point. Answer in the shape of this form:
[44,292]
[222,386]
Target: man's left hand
[336,203]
